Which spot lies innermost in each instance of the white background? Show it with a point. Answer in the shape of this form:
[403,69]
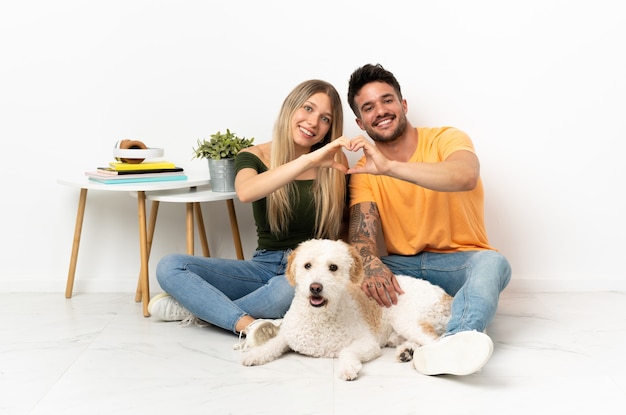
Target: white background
[539,85]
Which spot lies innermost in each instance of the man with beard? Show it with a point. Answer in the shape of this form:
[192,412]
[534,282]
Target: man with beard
[419,190]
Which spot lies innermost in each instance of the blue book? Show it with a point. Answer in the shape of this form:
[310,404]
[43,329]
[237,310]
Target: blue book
[138,179]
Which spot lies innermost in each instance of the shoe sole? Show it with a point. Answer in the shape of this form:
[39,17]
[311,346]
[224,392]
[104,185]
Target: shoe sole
[262,334]
[460,354]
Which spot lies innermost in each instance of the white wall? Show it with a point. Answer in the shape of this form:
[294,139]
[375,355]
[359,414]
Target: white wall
[539,85]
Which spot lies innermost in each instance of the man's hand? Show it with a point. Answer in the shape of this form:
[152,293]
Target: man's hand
[381,285]
[375,161]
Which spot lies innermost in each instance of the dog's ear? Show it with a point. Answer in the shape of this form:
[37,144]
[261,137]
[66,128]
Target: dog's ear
[290,273]
[356,269]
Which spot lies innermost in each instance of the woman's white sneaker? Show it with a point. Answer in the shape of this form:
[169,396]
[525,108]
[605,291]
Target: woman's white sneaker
[460,354]
[164,307]
[257,333]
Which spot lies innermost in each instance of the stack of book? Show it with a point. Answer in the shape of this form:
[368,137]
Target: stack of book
[147,171]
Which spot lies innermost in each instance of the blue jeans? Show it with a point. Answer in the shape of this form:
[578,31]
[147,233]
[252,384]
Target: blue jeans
[221,291]
[475,279]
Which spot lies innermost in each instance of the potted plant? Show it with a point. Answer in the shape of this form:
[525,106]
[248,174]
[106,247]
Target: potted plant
[220,151]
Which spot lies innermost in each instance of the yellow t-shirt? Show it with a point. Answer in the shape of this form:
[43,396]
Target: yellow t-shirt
[416,219]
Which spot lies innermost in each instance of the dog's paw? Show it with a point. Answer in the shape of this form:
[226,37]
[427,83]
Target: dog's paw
[254,357]
[404,352]
[265,353]
[250,359]
[349,370]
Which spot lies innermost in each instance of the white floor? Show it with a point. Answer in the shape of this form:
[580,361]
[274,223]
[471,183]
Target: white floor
[555,353]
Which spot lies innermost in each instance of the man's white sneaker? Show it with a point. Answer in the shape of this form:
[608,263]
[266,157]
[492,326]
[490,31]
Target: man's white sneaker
[257,333]
[166,308]
[460,354]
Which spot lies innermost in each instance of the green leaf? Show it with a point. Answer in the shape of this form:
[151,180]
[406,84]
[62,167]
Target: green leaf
[221,145]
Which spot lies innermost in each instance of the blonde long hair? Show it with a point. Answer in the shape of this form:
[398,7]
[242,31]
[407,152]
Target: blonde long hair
[329,190]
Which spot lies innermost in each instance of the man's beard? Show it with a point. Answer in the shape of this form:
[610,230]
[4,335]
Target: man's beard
[394,135]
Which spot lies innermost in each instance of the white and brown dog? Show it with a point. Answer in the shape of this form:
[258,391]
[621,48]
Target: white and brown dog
[331,316]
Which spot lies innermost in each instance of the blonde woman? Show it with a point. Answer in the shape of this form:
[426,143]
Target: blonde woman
[297,186]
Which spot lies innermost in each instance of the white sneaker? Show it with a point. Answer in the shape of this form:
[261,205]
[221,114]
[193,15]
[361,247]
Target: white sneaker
[460,354]
[257,333]
[166,308]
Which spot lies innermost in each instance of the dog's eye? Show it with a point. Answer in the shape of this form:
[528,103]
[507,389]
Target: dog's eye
[307,265]
[332,267]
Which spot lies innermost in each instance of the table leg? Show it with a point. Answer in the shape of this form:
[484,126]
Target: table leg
[189,228]
[201,230]
[154,210]
[80,214]
[143,248]
[234,227]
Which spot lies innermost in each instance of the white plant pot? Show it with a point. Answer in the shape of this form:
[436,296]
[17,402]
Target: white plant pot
[222,174]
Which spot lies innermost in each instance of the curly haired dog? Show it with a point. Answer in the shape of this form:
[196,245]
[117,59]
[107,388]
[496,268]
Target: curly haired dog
[331,316]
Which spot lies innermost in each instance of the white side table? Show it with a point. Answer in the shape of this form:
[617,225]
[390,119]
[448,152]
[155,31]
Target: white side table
[192,197]
[84,184]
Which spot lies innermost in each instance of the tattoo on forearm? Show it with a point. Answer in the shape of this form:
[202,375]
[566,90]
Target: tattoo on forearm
[356,219]
[363,231]
[363,225]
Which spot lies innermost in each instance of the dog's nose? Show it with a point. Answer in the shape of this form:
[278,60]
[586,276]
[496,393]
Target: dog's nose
[316,288]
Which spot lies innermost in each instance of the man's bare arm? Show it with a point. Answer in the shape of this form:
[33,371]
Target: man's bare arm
[365,235]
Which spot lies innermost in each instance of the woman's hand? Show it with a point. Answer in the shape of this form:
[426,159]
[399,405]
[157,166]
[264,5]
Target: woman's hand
[325,156]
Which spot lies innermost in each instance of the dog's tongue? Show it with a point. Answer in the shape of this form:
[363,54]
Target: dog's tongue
[316,301]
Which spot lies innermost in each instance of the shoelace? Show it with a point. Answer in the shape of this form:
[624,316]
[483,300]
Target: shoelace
[192,320]
[241,344]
